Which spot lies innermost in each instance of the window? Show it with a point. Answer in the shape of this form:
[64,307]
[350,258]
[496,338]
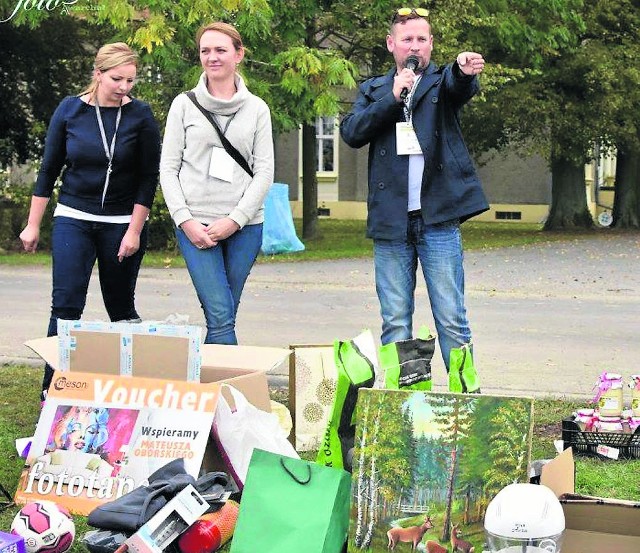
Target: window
[326,130]
[508,215]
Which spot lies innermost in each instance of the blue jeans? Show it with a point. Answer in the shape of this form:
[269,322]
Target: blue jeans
[439,250]
[75,247]
[218,275]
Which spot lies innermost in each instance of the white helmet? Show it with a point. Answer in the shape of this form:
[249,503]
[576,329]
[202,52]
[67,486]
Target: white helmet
[524,518]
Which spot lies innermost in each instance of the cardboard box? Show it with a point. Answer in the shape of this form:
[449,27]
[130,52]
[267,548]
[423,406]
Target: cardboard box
[593,524]
[244,367]
[139,343]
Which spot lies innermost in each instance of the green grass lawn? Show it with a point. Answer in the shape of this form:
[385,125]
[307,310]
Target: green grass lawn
[346,239]
[19,409]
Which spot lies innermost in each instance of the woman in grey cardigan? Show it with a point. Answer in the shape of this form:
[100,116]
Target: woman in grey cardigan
[215,203]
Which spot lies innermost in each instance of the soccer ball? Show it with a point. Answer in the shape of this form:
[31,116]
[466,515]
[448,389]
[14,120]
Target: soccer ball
[45,527]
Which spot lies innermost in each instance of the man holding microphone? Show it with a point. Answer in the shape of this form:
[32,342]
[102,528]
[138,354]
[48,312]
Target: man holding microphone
[422,181]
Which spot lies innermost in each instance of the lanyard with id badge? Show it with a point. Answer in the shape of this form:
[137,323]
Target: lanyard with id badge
[406,139]
[221,165]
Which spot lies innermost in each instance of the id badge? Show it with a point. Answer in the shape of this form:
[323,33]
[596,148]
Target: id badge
[406,140]
[221,166]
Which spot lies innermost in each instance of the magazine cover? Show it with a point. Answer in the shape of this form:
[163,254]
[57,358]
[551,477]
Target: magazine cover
[426,465]
[100,436]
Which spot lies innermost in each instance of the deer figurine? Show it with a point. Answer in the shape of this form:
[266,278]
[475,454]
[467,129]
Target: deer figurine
[435,547]
[412,534]
[458,544]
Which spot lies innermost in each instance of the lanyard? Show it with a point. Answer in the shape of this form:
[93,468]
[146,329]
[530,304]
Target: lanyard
[108,151]
[408,113]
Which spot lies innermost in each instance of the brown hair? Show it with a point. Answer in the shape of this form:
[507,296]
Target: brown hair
[110,56]
[225,29]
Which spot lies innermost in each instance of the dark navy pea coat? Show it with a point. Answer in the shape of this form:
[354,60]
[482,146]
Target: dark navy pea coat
[451,188]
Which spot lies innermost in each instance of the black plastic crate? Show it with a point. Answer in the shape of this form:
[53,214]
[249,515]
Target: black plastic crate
[587,442]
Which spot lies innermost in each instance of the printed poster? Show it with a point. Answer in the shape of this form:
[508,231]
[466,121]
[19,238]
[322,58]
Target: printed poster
[101,436]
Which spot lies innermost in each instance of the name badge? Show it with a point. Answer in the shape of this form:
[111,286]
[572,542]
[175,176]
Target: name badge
[221,166]
[406,140]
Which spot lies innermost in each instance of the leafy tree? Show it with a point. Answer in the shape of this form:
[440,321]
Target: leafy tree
[509,446]
[383,459]
[38,68]
[429,474]
[287,62]
[545,105]
[613,39]
[626,205]
[477,462]
[453,415]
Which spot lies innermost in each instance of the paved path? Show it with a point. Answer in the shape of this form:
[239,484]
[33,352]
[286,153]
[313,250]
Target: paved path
[547,319]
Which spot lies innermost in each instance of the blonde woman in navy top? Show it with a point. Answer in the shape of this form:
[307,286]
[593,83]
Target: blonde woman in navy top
[105,145]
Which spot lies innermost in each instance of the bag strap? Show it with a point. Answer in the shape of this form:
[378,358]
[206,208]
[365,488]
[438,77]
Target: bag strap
[240,401]
[229,148]
[460,369]
[290,473]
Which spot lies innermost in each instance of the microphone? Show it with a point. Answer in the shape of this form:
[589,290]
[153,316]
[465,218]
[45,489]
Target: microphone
[411,63]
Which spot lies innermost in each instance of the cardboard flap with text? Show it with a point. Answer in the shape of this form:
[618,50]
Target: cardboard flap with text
[158,356]
[99,352]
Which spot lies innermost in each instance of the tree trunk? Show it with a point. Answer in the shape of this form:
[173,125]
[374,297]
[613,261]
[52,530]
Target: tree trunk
[309,182]
[626,203]
[568,196]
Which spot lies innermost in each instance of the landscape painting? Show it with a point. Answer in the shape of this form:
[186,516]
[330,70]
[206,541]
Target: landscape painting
[427,464]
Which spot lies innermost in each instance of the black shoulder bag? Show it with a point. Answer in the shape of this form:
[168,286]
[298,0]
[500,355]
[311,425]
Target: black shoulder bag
[229,148]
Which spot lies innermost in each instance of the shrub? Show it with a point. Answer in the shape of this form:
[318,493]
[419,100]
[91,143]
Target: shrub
[16,187]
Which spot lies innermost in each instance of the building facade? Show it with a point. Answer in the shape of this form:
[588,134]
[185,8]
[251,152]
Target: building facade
[517,184]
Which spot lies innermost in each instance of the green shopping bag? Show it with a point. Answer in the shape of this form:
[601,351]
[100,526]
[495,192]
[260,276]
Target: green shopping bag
[463,376]
[292,506]
[407,363]
[355,370]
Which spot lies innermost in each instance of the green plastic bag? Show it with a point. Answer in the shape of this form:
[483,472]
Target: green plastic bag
[463,377]
[292,506]
[407,363]
[355,370]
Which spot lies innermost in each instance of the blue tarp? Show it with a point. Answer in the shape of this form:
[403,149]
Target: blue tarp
[278,232]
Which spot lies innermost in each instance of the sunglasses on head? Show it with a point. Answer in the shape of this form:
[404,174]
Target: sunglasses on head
[405,12]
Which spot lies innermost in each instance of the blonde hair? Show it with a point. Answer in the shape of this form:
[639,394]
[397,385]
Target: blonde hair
[225,29]
[110,56]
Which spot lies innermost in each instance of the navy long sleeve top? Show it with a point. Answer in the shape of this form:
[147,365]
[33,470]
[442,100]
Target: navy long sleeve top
[74,142]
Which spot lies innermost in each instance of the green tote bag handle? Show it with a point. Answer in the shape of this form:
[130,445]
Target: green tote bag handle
[290,473]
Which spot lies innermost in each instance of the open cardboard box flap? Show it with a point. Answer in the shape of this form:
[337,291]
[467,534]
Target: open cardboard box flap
[244,367]
[593,524]
[103,346]
[243,357]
